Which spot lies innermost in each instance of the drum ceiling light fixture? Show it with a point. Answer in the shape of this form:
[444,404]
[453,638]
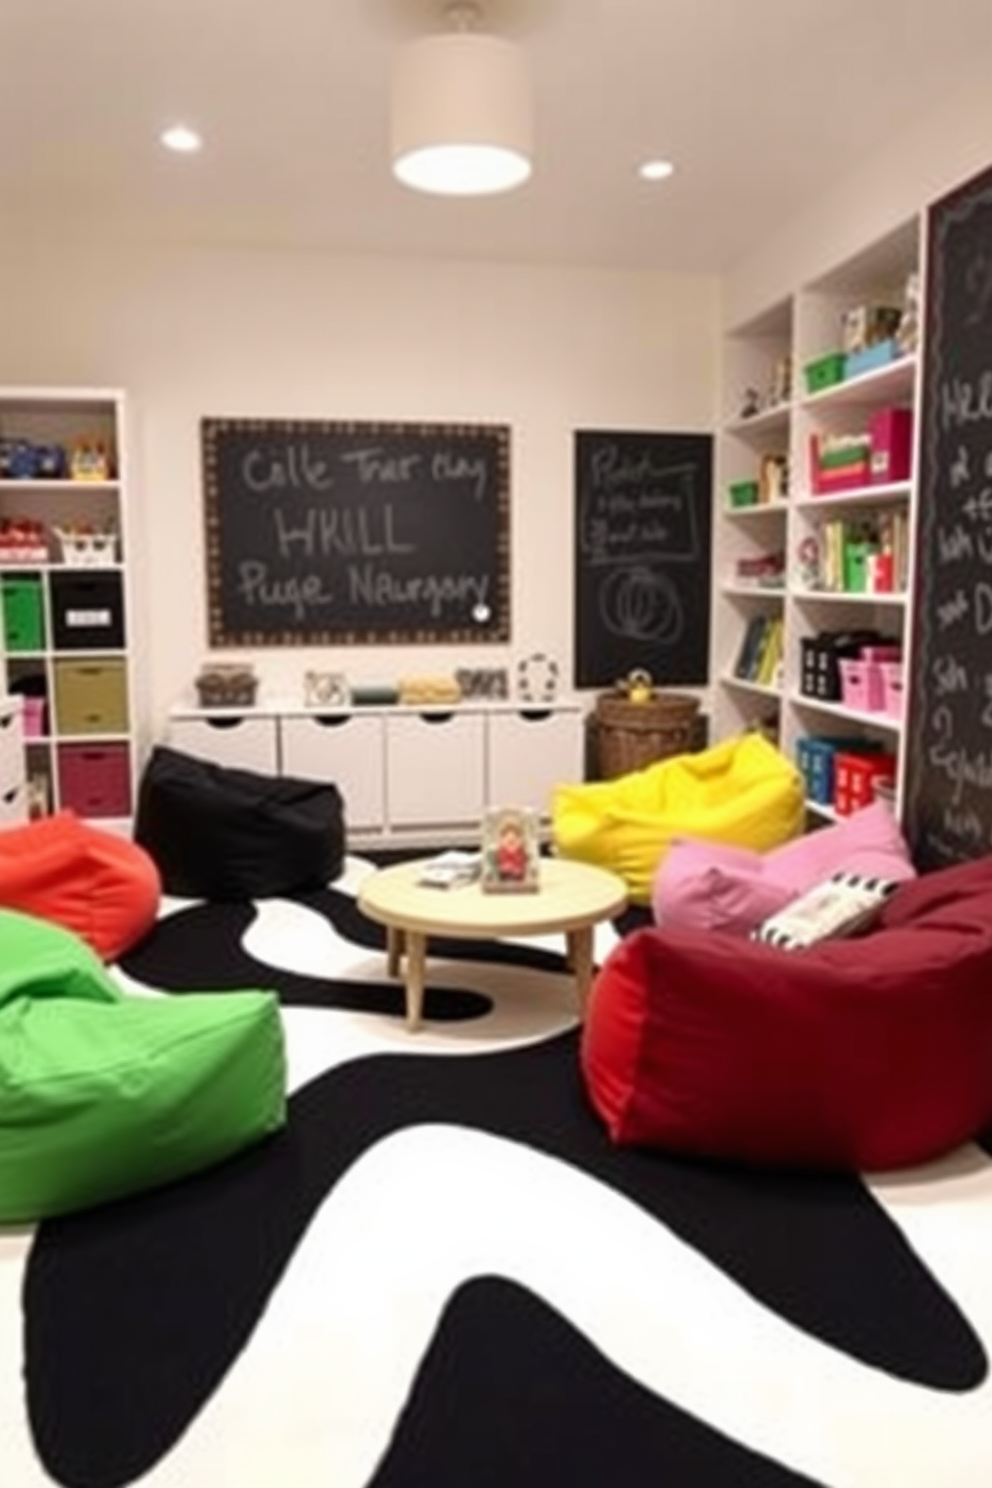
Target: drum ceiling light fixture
[462,109]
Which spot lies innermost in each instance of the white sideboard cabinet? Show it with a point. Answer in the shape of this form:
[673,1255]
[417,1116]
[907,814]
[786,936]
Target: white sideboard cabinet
[404,773]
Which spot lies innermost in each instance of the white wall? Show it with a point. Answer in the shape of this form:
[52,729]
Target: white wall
[194,333]
[945,147]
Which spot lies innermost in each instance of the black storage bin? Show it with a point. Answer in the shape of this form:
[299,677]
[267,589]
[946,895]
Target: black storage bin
[226,834]
[87,609]
[821,657]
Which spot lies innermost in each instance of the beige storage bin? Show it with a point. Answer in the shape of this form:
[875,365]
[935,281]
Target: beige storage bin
[91,696]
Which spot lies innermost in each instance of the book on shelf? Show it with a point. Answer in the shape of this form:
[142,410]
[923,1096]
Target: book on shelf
[760,650]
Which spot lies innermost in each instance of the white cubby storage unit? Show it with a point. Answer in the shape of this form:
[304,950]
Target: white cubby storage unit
[815,594]
[405,773]
[13,780]
[65,616]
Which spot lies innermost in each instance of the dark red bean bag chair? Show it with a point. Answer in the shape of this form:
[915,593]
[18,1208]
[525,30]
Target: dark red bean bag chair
[868,1053]
[100,886]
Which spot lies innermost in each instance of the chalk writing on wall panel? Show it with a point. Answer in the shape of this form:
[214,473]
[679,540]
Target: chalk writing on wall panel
[948,793]
[643,507]
[320,533]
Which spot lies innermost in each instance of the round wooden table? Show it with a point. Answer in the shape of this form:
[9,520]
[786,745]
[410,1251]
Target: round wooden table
[571,898]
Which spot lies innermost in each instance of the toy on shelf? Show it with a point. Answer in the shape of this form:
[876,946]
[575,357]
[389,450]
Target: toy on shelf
[22,540]
[90,461]
[22,459]
[86,546]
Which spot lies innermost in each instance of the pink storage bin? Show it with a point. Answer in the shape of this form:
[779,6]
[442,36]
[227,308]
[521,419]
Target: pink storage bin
[891,434]
[854,684]
[95,780]
[33,717]
[893,688]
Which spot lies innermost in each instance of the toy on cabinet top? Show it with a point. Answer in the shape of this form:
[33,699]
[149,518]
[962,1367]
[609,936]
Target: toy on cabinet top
[326,690]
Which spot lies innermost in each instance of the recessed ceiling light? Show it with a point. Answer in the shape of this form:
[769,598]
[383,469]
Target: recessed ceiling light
[655,170]
[184,141]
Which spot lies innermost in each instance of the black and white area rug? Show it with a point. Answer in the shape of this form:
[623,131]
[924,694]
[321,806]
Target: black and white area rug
[441,1275]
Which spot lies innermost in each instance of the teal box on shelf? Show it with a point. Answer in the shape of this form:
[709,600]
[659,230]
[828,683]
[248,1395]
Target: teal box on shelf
[857,363]
[815,757]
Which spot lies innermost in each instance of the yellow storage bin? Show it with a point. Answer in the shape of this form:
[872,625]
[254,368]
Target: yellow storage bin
[91,696]
[743,791]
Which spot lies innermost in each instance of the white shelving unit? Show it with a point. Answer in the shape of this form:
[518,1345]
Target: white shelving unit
[65,613]
[803,327]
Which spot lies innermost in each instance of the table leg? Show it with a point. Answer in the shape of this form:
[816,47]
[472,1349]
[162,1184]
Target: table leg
[416,958]
[394,951]
[580,944]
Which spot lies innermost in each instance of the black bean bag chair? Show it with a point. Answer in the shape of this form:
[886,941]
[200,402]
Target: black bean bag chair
[220,833]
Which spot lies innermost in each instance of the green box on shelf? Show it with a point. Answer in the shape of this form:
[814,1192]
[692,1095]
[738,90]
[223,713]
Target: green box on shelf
[23,613]
[743,493]
[825,371]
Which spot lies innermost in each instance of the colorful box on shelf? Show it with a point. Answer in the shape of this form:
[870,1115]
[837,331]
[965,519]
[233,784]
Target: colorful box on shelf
[857,363]
[815,756]
[826,371]
[86,549]
[22,540]
[855,776]
[893,687]
[742,493]
[890,432]
[864,325]
[33,717]
[839,463]
[865,684]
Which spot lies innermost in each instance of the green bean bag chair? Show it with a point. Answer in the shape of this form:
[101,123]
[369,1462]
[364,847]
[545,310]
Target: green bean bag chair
[104,1093]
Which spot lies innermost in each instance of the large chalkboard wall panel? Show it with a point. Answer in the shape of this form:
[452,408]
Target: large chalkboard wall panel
[320,533]
[948,814]
[643,505]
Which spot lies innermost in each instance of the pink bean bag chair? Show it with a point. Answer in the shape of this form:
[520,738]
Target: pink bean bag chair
[866,1053]
[103,888]
[702,885]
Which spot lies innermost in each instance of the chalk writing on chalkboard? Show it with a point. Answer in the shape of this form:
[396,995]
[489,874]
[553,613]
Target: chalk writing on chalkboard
[642,556]
[949,762]
[321,532]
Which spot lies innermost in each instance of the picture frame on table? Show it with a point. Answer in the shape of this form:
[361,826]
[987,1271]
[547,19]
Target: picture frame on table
[510,851]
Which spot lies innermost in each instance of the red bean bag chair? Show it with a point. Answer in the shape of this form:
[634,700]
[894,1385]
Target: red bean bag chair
[100,886]
[865,1053]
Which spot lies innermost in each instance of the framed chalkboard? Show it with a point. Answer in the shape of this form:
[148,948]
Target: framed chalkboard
[320,533]
[643,506]
[948,815]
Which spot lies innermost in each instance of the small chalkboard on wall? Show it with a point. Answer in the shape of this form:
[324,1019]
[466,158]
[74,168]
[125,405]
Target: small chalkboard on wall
[948,816]
[323,533]
[643,527]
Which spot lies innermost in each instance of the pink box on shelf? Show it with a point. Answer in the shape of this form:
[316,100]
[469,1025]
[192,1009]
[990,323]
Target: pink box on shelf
[891,434]
[893,685]
[854,684]
[34,717]
[95,780]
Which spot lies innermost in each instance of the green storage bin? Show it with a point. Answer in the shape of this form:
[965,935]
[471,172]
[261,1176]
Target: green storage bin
[23,613]
[743,493]
[825,372]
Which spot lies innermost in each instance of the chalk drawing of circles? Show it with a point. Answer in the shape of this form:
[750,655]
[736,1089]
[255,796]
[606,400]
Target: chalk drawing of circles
[642,604]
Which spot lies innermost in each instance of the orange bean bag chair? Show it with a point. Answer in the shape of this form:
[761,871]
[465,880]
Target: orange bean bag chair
[102,887]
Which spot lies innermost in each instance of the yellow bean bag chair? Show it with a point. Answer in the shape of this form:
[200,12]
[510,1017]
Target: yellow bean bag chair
[743,791]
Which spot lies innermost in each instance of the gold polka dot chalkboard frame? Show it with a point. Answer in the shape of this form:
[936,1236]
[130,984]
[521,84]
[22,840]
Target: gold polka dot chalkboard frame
[343,533]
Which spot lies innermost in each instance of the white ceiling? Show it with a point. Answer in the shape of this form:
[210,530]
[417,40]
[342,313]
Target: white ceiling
[761,103]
